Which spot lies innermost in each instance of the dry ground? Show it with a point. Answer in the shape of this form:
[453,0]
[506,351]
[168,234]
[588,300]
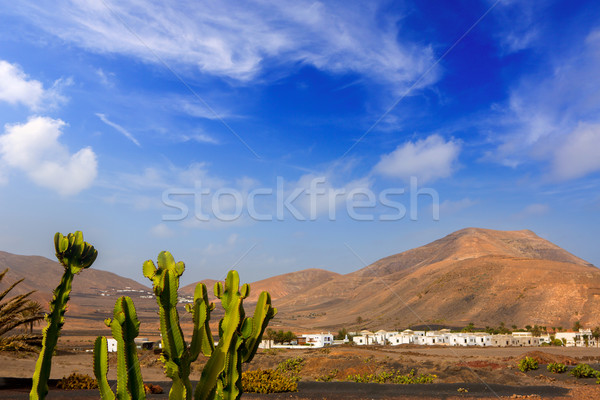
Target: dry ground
[479,370]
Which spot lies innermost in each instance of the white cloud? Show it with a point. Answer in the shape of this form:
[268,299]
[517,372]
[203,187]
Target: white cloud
[119,128]
[578,155]
[34,148]
[330,192]
[239,39]
[195,108]
[162,231]
[200,138]
[106,78]
[518,23]
[533,210]
[427,159]
[18,88]
[552,114]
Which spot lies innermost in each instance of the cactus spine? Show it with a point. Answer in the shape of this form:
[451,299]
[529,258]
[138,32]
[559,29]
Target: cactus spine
[125,328]
[177,355]
[75,255]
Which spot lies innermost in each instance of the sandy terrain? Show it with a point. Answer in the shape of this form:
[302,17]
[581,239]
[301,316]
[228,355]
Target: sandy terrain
[484,372]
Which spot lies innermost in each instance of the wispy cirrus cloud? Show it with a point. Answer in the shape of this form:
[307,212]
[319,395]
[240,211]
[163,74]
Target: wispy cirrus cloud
[552,115]
[118,128]
[239,40]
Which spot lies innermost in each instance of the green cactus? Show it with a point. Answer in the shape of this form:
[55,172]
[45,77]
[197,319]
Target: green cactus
[101,368]
[75,255]
[125,328]
[177,356]
[239,338]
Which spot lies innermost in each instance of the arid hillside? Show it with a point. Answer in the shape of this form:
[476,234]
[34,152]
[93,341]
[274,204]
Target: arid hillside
[278,286]
[93,294]
[472,275]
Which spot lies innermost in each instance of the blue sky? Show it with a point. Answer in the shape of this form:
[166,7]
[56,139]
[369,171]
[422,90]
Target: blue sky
[118,116]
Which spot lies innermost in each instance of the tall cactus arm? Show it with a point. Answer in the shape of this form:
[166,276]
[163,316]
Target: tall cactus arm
[75,255]
[165,281]
[172,335]
[243,348]
[176,358]
[207,386]
[101,368]
[231,300]
[230,387]
[202,340]
[55,320]
[254,327]
[125,328]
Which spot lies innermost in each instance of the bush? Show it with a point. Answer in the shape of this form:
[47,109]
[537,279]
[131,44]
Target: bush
[393,377]
[77,381]
[528,364]
[557,368]
[584,371]
[267,381]
[329,377]
[291,367]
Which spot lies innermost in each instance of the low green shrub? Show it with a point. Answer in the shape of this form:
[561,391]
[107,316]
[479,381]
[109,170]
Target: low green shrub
[411,378]
[393,377]
[528,364]
[557,368]
[329,377]
[267,381]
[77,381]
[584,371]
[291,367]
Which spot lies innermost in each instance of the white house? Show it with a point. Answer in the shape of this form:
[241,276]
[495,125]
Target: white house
[383,337]
[362,340]
[407,336]
[112,345]
[317,339]
[483,339]
[576,338]
[431,339]
[569,338]
[580,338]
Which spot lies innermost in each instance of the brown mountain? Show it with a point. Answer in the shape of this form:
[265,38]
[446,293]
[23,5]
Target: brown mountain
[93,293]
[43,274]
[278,286]
[472,275]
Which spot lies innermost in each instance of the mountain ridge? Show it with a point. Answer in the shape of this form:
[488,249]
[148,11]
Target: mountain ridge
[472,275]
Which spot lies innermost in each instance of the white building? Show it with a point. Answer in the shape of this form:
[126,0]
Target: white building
[407,336]
[364,338]
[569,338]
[317,339]
[383,337]
[112,345]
